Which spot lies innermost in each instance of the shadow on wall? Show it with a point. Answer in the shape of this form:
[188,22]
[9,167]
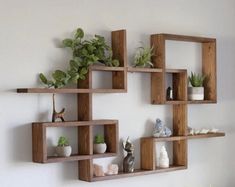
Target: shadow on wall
[21,142]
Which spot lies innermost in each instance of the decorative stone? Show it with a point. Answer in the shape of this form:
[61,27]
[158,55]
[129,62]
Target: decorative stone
[191,131]
[204,131]
[129,160]
[169,93]
[112,169]
[98,170]
[213,130]
[196,131]
[163,159]
[160,130]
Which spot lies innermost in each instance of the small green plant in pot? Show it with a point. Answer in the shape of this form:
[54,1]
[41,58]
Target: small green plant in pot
[99,144]
[143,57]
[196,92]
[63,148]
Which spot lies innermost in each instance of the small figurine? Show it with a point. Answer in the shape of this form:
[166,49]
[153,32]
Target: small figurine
[112,169]
[98,170]
[160,130]
[55,114]
[169,93]
[129,160]
[163,160]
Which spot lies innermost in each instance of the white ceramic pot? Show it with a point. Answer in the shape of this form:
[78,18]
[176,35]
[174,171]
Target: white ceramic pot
[196,93]
[64,151]
[99,148]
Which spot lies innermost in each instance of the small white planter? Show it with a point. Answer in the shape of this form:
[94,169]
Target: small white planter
[99,148]
[196,93]
[64,151]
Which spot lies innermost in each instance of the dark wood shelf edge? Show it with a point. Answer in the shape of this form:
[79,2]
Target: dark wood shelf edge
[106,68]
[209,135]
[138,172]
[78,123]
[202,102]
[166,139]
[53,159]
[144,70]
[69,90]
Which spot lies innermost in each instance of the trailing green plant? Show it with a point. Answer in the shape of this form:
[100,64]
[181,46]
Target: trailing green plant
[63,141]
[85,53]
[196,80]
[143,57]
[99,139]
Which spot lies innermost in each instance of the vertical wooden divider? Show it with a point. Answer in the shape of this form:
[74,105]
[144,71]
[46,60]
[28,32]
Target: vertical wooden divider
[85,133]
[180,86]
[148,153]
[180,129]
[111,137]
[158,95]
[209,69]
[119,78]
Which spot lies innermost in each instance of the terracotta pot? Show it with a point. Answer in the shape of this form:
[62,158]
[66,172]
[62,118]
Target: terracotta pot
[196,93]
[64,151]
[99,148]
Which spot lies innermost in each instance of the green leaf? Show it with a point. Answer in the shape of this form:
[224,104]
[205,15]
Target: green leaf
[84,71]
[58,75]
[43,78]
[79,33]
[68,42]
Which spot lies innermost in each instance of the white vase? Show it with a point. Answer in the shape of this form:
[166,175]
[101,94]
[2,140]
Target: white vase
[64,151]
[196,93]
[99,148]
[163,160]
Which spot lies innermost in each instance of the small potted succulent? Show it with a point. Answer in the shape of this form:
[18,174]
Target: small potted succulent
[99,144]
[196,92]
[63,148]
[143,57]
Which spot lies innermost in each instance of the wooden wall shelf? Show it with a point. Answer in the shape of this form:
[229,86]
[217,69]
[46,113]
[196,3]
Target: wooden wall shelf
[158,73]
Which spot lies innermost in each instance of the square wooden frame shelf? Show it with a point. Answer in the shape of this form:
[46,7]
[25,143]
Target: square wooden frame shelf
[85,140]
[158,41]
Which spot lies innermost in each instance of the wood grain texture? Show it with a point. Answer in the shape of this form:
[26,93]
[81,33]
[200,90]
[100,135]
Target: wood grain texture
[85,133]
[69,90]
[111,137]
[180,84]
[78,123]
[39,148]
[105,68]
[143,70]
[180,120]
[185,38]
[147,154]
[202,102]
[139,172]
[158,95]
[209,69]
[165,139]
[119,79]
[210,135]
[180,153]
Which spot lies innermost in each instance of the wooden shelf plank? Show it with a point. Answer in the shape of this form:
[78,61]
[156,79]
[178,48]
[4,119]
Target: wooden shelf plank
[144,70]
[210,135]
[187,38]
[176,70]
[138,172]
[106,68]
[175,102]
[77,123]
[166,139]
[68,90]
[202,102]
[76,157]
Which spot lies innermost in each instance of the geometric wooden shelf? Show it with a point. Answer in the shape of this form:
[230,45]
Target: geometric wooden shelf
[158,73]
[39,146]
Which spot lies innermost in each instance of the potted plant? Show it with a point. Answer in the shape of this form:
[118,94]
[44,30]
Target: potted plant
[143,57]
[196,92]
[63,148]
[99,144]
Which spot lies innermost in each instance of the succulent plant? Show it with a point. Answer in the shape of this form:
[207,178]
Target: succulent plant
[143,57]
[99,139]
[196,80]
[63,141]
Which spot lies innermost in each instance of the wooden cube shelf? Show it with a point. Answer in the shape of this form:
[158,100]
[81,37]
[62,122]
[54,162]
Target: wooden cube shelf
[85,140]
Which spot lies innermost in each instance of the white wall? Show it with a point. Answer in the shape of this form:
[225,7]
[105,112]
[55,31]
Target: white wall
[29,35]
